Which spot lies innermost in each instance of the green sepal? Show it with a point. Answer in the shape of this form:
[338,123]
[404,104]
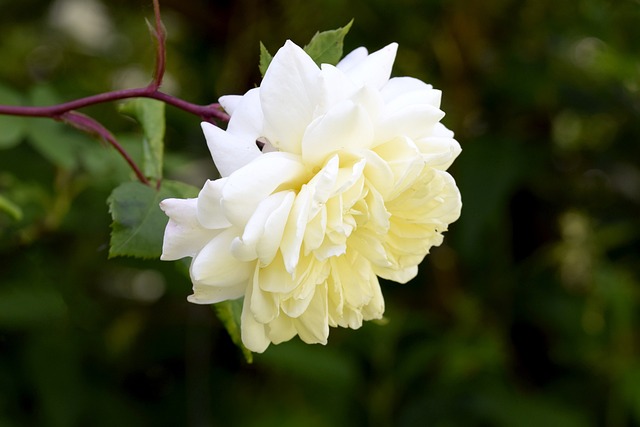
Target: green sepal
[265,59]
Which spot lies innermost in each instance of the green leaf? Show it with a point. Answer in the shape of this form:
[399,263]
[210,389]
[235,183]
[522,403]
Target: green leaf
[55,141]
[13,127]
[138,223]
[229,313]
[150,114]
[326,47]
[265,59]
[10,208]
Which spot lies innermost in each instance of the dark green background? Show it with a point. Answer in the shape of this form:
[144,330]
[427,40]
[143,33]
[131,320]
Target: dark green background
[526,316]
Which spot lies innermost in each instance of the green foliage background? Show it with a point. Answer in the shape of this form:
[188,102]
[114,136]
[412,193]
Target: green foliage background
[526,316]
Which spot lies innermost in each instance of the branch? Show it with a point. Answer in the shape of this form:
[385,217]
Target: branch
[205,112]
[93,127]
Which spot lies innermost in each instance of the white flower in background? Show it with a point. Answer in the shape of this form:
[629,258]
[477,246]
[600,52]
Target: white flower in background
[349,185]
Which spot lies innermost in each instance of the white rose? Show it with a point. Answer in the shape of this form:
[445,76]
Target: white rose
[350,185]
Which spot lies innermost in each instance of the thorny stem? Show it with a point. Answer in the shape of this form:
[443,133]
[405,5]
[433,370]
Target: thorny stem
[64,112]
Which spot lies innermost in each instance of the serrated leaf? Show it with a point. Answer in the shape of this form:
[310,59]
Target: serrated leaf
[12,127]
[138,223]
[229,313]
[150,114]
[265,59]
[326,47]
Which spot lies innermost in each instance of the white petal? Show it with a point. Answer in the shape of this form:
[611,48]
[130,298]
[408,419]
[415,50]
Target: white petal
[347,126]
[247,120]
[248,186]
[289,94]
[184,236]
[335,87]
[414,121]
[229,152]
[205,294]
[353,58]
[230,103]
[210,213]
[375,69]
[402,91]
[215,266]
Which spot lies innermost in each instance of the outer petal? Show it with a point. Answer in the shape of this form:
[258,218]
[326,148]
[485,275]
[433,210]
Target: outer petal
[247,119]
[375,69]
[184,236]
[289,94]
[228,151]
[353,58]
[204,294]
[254,334]
[210,213]
[215,266]
[230,103]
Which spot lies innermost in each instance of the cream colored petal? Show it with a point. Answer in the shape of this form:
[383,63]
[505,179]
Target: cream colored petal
[370,247]
[346,126]
[247,187]
[264,304]
[313,325]
[229,152]
[289,93]
[375,308]
[439,152]
[268,245]
[404,159]
[315,231]
[209,209]
[215,266]
[378,173]
[375,69]
[281,329]
[397,275]
[253,333]
[245,247]
[275,278]
[184,235]
[295,228]
[205,294]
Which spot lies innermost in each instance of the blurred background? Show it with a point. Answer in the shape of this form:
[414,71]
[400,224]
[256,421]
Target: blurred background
[526,316]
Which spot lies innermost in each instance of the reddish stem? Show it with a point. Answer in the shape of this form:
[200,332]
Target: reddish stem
[206,112]
[93,127]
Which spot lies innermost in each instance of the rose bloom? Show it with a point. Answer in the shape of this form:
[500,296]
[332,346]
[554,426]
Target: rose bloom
[332,176]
